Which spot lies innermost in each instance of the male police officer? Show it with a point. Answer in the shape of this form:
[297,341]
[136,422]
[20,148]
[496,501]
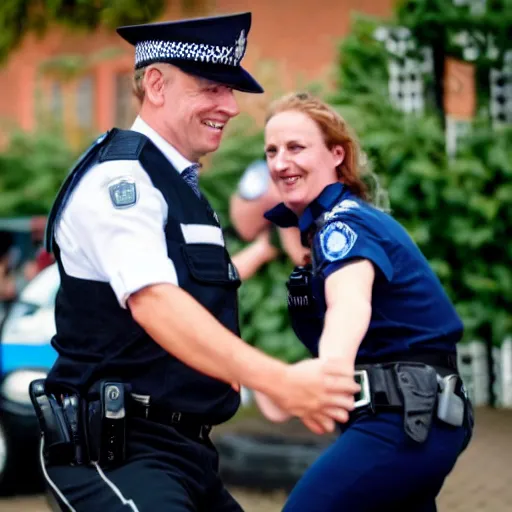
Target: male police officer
[146,315]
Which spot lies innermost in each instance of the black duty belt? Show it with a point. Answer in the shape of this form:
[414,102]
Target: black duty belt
[380,386]
[187,424]
[80,431]
[420,386]
[443,361]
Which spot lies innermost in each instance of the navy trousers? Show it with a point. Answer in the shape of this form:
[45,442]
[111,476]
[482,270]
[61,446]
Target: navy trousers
[165,471]
[374,467]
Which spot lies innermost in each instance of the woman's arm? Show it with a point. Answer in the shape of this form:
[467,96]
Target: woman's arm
[270,409]
[348,295]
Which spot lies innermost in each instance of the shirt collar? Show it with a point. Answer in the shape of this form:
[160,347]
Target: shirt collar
[283,217]
[178,161]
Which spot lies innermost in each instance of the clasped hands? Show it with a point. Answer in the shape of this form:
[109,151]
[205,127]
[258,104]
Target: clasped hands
[320,392]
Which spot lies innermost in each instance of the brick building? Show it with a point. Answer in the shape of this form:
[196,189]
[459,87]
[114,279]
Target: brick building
[291,42]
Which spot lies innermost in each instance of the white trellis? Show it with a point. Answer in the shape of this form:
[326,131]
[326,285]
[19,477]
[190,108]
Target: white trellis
[476,6]
[500,80]
[501,92]
[406,74]
[455,131]
[474,369]
[458,129]
[406,84]
[502,363]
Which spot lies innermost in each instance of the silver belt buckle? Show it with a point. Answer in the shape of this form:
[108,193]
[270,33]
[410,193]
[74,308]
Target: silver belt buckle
[362,378]
[142,400]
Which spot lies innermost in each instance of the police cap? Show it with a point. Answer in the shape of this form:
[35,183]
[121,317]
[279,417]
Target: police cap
[210,48]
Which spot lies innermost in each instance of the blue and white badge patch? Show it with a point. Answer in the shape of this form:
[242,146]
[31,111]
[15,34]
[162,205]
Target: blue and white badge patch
[336,240]
[123,192]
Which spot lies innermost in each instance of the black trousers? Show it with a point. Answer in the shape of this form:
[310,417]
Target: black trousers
[165,470]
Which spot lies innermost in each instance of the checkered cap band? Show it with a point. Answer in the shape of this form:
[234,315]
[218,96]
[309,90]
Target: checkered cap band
[147,52]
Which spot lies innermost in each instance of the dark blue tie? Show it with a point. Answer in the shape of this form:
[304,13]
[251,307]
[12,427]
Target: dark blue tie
[191,176]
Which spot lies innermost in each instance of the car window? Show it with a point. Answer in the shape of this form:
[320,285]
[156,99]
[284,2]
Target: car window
[41,291]
[31,318]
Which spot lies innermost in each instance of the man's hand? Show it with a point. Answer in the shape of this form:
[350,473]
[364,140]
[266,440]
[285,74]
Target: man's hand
[319,392]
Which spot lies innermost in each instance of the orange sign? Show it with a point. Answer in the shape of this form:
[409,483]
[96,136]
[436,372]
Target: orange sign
[459,89]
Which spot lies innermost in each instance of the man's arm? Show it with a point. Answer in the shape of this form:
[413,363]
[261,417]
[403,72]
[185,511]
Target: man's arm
[184,328]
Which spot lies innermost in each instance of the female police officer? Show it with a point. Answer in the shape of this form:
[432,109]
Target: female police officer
[370,299]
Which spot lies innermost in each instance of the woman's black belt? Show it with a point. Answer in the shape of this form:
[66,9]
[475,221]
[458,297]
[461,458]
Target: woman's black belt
[418,385]
[444,362]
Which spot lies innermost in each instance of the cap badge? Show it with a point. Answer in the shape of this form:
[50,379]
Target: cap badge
[240,46]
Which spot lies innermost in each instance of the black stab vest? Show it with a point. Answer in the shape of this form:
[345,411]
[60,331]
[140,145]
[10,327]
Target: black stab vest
[96,338]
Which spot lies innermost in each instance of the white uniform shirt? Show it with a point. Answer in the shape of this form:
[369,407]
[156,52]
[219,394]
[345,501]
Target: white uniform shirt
[124,247]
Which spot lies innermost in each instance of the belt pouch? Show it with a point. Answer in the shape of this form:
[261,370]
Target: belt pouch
[418,385]
[58,444]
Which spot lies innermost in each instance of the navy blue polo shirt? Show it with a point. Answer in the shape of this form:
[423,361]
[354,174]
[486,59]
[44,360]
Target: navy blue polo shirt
[410,309]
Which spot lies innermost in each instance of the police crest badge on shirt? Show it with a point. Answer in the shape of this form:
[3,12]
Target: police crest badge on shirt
[336,240]
[123,192]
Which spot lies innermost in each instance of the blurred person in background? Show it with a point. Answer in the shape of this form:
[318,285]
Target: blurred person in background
[149,354]
[7,279]
[42,257]
[367,297]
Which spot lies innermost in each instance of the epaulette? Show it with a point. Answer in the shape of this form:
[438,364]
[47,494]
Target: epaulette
[124,145]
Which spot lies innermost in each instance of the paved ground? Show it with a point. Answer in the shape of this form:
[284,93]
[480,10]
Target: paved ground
[481,481]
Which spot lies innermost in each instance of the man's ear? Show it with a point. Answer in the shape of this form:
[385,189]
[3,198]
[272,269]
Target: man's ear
[154,82]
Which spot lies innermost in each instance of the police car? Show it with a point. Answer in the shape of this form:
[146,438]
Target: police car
[25,355]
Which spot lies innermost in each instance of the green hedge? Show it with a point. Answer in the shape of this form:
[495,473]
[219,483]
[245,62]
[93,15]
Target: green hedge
[31,171]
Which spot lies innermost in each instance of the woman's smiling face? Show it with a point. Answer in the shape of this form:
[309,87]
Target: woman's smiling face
[300,163]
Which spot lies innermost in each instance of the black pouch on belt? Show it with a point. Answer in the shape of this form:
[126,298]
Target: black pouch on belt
[58,444]
[417,384]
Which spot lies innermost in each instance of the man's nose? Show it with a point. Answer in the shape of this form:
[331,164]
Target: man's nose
[229,104]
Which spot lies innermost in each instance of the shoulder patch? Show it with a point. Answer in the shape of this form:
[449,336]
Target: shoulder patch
[336,240]
[343,206]
[123,192]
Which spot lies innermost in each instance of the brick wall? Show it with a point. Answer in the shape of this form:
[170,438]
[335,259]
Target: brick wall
[291,43]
